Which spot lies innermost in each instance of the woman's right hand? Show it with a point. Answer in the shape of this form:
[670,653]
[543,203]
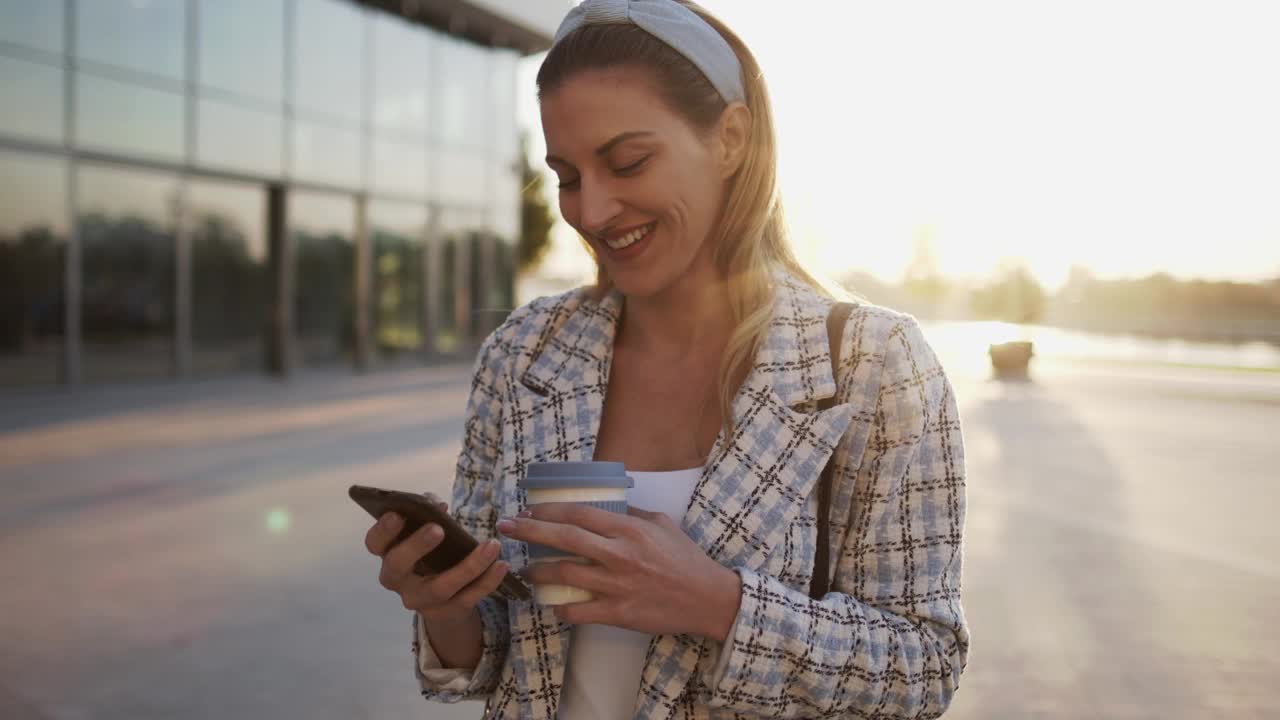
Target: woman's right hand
[440,597]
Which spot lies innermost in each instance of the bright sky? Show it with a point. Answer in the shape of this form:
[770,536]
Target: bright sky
[1128,136]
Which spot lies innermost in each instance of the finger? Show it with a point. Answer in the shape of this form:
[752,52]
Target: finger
[569,538]
[591,612]
[398,562]
[482,586]
[453,580]
[657,518]
[597,520]
[383,532]
[644,514]
[595,578]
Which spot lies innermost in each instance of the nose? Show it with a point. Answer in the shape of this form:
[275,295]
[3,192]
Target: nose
[599,206]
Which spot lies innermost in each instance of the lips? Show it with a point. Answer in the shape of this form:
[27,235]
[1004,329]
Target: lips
[630,238]
[627,245]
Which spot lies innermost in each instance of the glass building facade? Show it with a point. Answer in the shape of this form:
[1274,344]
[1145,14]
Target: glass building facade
[195,187]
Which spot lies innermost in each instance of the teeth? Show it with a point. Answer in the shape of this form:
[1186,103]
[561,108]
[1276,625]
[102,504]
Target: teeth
[629,238]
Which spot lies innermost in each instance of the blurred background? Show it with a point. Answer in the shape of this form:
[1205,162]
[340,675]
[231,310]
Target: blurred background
[248,249]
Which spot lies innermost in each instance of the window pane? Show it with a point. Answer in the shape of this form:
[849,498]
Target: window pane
[228,276]
[504,283]
[33,24]
[504,203]
[458,222]
[477,270]
[143,35]
[128,118]
[31,95]
[459,177]
[326,154]
[329,68]
[321,228]
[242,47]
[446,333]
[461,117]
[126,227]
[230,136]
[396,295]
[504,142]
[402,66]
[33,247]
[456,228]
[399,167]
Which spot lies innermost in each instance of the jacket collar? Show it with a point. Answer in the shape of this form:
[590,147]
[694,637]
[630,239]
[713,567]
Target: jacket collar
[794,359]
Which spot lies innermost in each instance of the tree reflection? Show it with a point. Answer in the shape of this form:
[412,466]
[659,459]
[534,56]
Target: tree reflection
[31,297]
[128,287]
[228,294]
[397,296]
[324,295]
[128,283]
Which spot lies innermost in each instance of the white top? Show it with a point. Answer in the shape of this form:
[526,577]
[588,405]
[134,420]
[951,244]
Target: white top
[602,677]
[602,674]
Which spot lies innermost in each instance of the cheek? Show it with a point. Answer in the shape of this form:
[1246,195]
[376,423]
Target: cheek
[692,201]
[569,208]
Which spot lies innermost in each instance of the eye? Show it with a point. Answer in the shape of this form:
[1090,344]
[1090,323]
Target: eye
[568,184]
[633,167]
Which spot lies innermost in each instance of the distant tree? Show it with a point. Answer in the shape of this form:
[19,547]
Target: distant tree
[870,288]
[536,218]
[1013,296]
[922,281]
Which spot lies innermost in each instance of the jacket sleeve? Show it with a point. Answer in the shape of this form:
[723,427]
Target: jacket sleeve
[474,506]
[890,640]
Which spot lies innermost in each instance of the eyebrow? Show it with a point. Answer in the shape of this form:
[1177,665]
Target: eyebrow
[605,148]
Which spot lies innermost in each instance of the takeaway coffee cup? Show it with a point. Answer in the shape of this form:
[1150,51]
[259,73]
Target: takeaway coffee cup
[598,484]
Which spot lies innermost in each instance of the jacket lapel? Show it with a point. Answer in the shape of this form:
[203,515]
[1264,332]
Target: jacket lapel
[757,479]
[554,415]
[760,477]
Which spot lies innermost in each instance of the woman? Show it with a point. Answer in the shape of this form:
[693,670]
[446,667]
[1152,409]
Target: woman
[698,359]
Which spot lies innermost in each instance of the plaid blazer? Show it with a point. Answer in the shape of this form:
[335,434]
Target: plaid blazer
[889,640]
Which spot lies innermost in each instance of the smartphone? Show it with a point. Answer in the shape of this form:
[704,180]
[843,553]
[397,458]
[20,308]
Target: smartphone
[418,510]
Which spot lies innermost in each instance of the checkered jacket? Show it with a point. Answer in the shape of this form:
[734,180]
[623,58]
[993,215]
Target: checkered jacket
[888,641]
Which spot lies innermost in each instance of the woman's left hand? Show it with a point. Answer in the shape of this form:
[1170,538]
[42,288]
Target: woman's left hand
[648,575]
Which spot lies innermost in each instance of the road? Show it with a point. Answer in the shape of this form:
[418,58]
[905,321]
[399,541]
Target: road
[187,551]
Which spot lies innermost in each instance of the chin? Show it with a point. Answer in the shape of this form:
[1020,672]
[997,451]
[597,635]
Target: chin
[639,284]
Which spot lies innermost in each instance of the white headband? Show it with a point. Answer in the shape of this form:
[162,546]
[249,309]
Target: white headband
[674,24]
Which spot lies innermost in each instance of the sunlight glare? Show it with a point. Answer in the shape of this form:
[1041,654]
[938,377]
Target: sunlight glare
[278,521]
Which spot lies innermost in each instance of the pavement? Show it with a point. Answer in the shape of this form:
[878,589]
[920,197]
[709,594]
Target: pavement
[187,550]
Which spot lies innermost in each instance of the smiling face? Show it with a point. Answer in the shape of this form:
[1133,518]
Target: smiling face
[638,181]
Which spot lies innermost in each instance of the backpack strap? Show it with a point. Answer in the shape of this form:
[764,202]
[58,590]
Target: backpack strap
[821,581]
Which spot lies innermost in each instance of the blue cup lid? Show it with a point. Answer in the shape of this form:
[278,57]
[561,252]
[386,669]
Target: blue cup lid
[559,475]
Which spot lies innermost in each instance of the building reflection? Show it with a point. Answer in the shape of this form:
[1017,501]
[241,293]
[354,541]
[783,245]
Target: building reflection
[210,186]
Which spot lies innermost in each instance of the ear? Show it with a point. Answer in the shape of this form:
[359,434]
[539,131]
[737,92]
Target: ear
[732,134]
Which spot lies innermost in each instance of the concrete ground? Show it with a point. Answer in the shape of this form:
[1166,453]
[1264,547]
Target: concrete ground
[187,551]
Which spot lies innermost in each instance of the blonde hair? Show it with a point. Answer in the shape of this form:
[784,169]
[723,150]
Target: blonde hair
[751,241]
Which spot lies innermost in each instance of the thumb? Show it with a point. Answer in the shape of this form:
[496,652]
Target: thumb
[436,500]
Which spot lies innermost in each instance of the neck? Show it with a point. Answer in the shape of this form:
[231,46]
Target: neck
[690,317]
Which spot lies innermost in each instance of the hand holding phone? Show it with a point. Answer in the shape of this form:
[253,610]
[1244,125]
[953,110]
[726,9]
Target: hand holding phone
[433,563]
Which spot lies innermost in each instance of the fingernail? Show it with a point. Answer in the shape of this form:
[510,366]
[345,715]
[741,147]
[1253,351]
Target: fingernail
[524,514]
[506,525]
